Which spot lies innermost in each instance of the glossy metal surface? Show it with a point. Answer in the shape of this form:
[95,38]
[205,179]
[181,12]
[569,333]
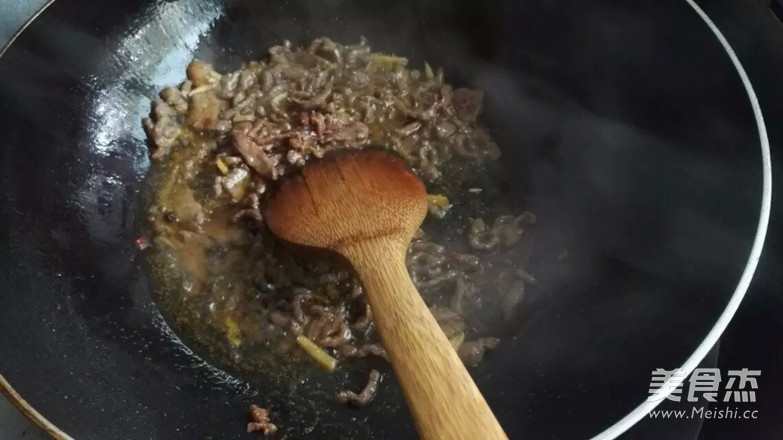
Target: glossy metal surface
[625,129]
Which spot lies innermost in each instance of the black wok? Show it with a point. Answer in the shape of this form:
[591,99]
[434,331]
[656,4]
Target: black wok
[624,126]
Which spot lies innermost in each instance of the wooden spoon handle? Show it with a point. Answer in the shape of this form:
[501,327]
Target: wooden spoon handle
[444,400]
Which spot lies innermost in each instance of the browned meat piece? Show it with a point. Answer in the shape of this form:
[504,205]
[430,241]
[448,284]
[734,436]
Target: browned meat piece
[174,98]
[338,335]
[328,328]
[350,350]
[341,128]
[359,80]
[255,202]
[254,154]
[509,229]
[326,49]
[162,128]
[372,350]
[437,280]
[472,352]
[228,85]
[203,112]
[467,262]
[297,144]
[318,123]
[199,73]
[354,132]
[425,257]
[259,421]
[445,129]
[409,129]
[163,133]
[365,396]
[317,101]
[506,230]
[468,103]
[297,306]
[422,115]
[186,86]
[162,110]
[294,157]
[480,237]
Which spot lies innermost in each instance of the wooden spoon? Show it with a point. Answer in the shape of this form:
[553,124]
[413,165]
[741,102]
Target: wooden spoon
[366,205]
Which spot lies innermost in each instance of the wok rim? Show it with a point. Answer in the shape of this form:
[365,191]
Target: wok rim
[701,351]
[713,336]
[30,412]
[5,387]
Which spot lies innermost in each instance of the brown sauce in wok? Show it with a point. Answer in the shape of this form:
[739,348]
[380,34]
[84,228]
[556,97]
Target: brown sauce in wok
[220,140]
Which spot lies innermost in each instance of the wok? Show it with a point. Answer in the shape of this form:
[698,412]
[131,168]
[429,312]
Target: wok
[625,127]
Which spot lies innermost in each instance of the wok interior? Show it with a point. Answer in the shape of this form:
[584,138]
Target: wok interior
[605,136]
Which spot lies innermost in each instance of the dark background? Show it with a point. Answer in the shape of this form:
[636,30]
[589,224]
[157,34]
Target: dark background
[753,339]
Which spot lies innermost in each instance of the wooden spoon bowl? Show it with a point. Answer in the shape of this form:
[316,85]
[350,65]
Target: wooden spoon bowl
[366,205]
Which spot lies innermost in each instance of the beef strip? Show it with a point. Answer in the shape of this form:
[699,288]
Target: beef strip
[259,421]
[365,395]
[254,154]
[472,352]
